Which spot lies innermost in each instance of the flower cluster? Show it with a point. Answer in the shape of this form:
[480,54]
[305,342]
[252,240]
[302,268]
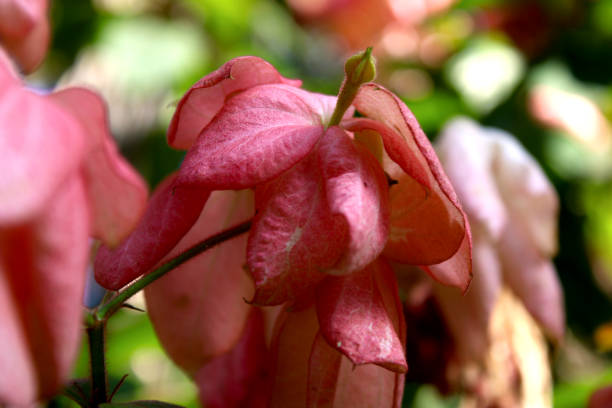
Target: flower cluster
[334,198]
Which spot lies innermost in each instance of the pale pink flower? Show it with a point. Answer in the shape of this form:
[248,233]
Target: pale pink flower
[62,181]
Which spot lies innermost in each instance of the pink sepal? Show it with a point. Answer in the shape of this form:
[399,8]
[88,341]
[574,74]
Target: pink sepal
[206,97]
[360,316]
[257,135]
[414,209]
[356,189]
[294,235]
[171,213]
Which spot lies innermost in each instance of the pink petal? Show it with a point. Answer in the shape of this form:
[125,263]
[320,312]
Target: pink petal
[334,381]
[42,275]
[306,371]
[324,365]
[368,386]
[468,315]
[258,134]
[171,213]
[534,279]
[294,235]
[117,193]
[41,145]
[207,96]
[468,155]
[427,223]
[231,380]
[199,310]
[530,197]
[355,316]
[24,30]
[356,189]
[292,342]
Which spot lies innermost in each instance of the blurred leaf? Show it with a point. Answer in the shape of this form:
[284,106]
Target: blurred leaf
[601,14]
[485,72]
[152,53]
[571,160]
[428,397]
[227,21]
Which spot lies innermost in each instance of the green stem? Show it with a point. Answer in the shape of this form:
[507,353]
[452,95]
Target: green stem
[107,309]
[345,98]
[95,335]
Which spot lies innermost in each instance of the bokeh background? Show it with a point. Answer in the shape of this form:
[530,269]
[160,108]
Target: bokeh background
[541,70]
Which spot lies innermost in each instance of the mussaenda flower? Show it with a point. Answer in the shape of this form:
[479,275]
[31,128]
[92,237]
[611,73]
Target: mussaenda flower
[513,209]
[334,198]
[62,181]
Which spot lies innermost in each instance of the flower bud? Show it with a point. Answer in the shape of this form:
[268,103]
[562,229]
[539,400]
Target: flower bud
[360,68]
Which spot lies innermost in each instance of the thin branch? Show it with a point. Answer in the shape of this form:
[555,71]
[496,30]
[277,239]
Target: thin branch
[110,307]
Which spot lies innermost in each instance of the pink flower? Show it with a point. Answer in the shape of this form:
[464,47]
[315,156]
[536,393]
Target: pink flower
[24,31]
[512,208]
[325,218]
[62,181]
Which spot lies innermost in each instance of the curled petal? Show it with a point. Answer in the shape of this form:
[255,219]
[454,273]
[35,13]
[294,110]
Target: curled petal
[117,193]
[294,235]
[359,316]
[42,274]
[257,135]
[534,280]
[171,213]
[234,379]
[198,309]
[33,166]
[427,222]
[206,97]
[356,189]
